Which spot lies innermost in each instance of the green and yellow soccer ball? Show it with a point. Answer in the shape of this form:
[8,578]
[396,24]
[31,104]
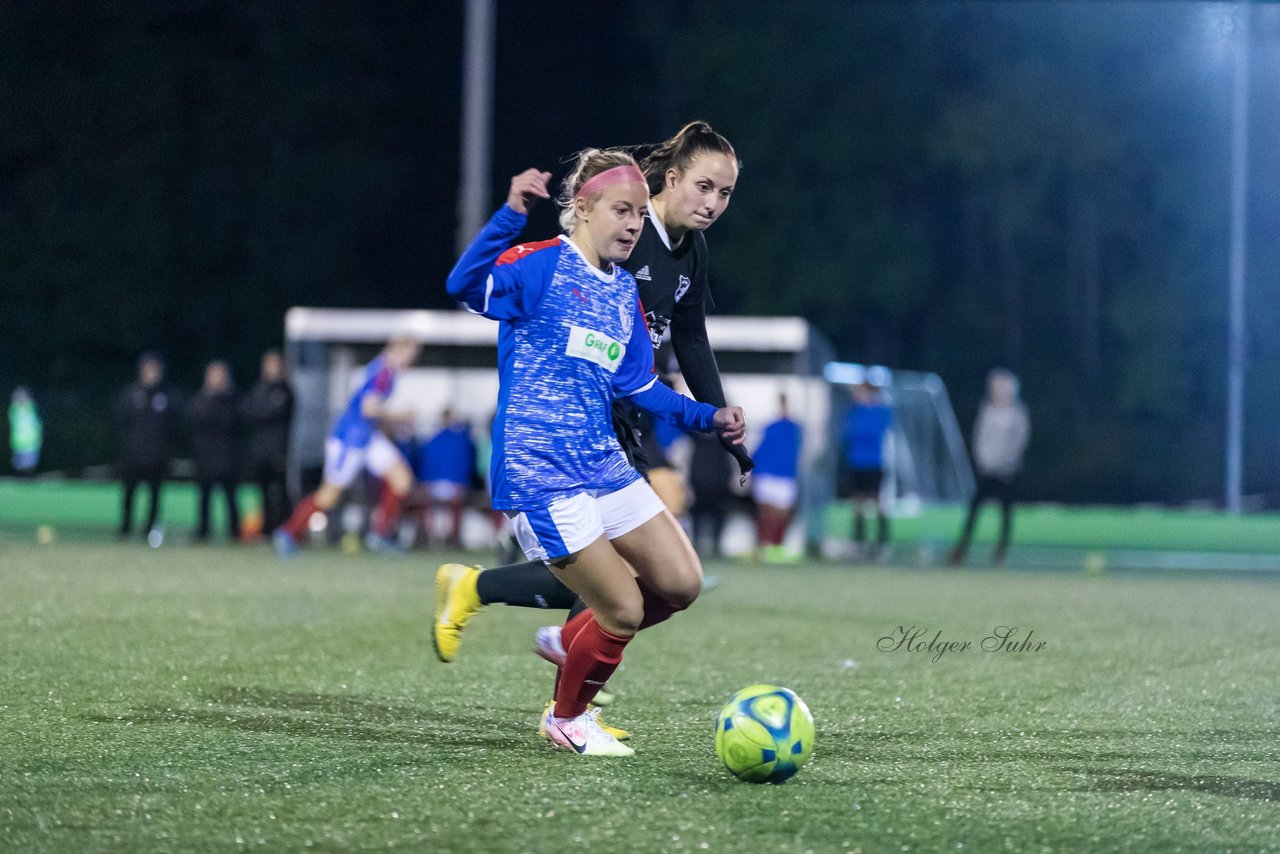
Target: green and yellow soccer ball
[764,734]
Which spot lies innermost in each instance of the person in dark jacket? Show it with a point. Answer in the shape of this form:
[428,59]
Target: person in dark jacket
[213,418]
[268,412]
[710,474]
[144,418]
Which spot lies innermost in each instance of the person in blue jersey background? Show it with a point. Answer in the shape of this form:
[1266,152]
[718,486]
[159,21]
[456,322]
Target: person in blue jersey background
[862,464]
[573,338]
[356,443]
[446,467]
[774,484]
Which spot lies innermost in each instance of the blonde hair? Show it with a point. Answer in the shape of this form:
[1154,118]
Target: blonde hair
[586,165]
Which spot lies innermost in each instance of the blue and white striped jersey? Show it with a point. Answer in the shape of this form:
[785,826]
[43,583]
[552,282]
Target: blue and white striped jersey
[572,338]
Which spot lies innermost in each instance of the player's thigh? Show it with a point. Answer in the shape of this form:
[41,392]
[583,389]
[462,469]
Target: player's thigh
[604,582]
[385,460]
[663,558]
[342,462]
[650,539]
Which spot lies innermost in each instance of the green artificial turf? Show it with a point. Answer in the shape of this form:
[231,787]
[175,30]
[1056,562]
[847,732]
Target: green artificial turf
[191,699]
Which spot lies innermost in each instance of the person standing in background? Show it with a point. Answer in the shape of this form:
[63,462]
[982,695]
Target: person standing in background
[26,432]
[773,486]
[144,417]
[213,418]
[268,412]
[710,476]
[1000,436]
[862,464]
[446,471]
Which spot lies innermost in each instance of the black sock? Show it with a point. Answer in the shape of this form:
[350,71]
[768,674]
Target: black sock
[525,585]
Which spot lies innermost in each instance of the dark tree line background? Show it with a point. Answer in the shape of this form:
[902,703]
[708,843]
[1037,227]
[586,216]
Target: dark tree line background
[937,186]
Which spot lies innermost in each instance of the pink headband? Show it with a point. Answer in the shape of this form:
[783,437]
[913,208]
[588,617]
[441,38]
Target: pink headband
[609,177]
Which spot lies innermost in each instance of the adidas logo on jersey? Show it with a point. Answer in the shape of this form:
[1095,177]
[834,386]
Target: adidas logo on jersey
[643,273]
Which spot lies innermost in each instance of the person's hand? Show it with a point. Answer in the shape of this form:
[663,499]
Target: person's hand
[731,424]
[526,188]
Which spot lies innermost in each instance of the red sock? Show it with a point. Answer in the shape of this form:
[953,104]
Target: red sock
[592,658]
[574,625]
[388,515]
[570,631]
[296,526]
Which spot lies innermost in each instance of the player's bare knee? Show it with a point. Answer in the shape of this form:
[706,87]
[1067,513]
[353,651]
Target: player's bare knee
[621,618]
[682,589]
[685,595]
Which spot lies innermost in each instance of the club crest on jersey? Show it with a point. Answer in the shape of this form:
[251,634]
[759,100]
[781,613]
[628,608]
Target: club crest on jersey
[628,320]
[683,288]
[595,347]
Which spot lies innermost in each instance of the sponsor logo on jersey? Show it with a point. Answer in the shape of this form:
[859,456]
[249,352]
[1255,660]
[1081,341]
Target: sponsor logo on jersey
[683,288]
[643,274]
[595,347]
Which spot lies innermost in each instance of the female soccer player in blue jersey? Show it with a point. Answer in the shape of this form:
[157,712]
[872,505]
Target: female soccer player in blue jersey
[573,338]
[355,443]
[691,177]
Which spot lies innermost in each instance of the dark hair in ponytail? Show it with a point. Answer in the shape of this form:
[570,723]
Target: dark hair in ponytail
[681,150]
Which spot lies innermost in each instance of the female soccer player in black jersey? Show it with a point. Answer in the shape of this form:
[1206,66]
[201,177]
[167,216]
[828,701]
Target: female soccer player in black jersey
[691,179]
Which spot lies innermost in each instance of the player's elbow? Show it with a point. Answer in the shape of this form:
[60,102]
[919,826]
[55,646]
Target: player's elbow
[455,285]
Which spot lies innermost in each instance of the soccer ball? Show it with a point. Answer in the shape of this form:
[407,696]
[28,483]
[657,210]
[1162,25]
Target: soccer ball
[764,734]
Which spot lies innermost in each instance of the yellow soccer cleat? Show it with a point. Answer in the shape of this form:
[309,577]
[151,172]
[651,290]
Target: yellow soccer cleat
[594,711]
[456,603]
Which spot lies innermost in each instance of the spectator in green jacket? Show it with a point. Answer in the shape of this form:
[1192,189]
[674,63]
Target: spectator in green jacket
[26,432]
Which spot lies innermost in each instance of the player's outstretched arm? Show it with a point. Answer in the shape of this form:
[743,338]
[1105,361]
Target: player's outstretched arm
[470,280]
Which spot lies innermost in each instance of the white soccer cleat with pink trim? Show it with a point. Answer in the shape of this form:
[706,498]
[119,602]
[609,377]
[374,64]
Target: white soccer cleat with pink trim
[581,735]
[547,643]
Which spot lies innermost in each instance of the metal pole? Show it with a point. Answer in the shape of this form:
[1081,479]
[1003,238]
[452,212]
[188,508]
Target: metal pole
[477,120]
[1239,223]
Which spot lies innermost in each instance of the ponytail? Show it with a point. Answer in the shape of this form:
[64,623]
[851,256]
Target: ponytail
[679,152]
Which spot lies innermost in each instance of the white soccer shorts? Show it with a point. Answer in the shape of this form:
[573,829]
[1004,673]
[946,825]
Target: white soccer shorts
[774,491]
[342,463]
[571,524]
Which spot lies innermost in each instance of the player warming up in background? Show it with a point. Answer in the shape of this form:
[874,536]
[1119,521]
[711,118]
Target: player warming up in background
[862,465]
[691,177]
[774,486]
[357,442]
[573,338]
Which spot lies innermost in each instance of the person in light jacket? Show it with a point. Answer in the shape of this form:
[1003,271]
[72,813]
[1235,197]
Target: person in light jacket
[1000,436]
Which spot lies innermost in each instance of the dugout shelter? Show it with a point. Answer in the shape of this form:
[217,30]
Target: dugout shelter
[759,358]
